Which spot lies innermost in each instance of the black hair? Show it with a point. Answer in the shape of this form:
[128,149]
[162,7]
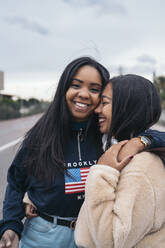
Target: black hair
[136,106]
[46,141]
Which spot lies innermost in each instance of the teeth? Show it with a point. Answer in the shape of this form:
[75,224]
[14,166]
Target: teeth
[101,120]
[81,104]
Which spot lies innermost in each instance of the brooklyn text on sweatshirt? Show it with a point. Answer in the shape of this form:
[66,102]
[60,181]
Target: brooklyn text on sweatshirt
[80,164]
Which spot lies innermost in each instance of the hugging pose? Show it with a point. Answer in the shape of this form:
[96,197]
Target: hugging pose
[64,148]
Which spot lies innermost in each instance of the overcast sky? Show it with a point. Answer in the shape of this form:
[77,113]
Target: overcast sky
[38,38]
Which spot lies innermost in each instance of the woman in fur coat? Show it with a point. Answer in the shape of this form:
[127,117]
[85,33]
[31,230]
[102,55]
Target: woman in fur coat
[124,206]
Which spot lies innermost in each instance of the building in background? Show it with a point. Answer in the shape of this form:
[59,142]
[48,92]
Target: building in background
[1,80]
[2,87]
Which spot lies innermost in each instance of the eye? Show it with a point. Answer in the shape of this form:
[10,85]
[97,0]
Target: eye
[104,103]
[75,86]
[95,90]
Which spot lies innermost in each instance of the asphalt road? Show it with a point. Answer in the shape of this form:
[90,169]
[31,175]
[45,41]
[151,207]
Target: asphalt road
[10,132]
[13,129]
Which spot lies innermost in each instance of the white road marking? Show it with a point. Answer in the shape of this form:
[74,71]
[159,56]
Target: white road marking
[12,143]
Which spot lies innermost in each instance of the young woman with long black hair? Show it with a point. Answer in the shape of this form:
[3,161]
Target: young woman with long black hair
[55,154]
[54,160]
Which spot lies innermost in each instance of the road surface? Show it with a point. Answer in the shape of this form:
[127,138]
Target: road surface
[11,133]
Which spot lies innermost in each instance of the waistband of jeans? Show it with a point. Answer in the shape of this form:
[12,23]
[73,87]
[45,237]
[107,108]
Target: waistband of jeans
[63,221]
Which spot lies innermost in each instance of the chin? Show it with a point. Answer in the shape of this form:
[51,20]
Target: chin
[102,130]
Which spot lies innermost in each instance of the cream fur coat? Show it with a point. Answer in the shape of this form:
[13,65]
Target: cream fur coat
[124,210]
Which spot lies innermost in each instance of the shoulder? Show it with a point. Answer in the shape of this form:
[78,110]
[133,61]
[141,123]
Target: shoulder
[147,164]
[144,161]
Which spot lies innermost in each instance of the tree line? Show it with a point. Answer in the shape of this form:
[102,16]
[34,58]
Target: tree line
[160,85]
[10,109]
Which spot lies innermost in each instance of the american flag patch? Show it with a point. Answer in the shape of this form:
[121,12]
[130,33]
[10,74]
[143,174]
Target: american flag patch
[76,182]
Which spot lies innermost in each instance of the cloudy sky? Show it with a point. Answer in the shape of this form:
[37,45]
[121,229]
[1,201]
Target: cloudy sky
[38,38]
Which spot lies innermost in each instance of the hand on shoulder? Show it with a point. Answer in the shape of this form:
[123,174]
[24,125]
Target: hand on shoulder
[131,148]
[9,239]
[110,157]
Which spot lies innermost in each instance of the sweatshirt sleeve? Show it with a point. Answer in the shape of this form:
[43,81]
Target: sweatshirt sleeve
[116,213]
[157,138]
[13,209]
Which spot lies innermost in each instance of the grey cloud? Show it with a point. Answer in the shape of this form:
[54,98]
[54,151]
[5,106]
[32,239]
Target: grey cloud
[81,2]
[141,69]
[104,6]
[135,69]
[147,59]
[28,24]
[113,8]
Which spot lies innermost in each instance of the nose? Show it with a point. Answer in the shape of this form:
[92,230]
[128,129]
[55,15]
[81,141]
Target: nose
[98,109]
[83,93]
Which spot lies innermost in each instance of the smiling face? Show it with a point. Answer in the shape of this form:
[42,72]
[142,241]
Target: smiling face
[83,95]
[104,110]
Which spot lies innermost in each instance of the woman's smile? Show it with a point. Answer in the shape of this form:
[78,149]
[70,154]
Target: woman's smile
[101,121]
[81,106]
[104,110]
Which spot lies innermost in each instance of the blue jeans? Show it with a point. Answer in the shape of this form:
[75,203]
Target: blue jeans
[39,233]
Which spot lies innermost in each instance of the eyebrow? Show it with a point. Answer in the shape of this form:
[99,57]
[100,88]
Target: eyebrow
[92,83]
[80,81]
[109,98]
